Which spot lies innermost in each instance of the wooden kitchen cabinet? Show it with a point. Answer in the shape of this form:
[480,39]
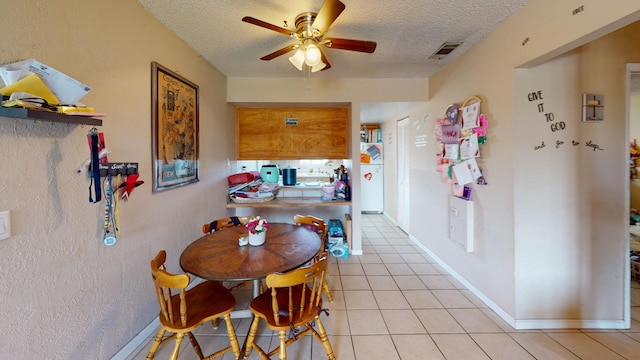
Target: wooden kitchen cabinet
[274,133]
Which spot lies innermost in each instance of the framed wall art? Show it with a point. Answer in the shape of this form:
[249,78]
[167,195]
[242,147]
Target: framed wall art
[175,121]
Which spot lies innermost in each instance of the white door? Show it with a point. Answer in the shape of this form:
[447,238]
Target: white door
[372,185]
[403,174]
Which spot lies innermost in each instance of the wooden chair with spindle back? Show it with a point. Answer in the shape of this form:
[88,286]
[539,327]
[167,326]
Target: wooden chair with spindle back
[225,223]
[293,300]
[320,226]
[184,311]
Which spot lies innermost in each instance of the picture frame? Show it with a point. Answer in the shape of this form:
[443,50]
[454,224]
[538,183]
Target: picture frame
[175,124]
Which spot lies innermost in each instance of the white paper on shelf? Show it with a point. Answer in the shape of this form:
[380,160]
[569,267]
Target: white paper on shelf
[65,88]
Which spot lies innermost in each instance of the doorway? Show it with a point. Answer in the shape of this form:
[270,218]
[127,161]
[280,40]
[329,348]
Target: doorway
[403,174]
[633,181]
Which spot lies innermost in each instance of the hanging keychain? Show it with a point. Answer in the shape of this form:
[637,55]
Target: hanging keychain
[109,228]
[116,205]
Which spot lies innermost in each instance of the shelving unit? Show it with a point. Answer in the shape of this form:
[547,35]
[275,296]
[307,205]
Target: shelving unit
[370,133]
[21,113]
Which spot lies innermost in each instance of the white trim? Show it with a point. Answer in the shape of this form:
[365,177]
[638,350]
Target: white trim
[393,221]
[138,340]
[570,324]
[630,68]
[149,331]
[524,324]
[493,306]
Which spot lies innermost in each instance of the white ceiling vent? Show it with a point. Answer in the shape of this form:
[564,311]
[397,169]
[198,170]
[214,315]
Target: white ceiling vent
[444,50]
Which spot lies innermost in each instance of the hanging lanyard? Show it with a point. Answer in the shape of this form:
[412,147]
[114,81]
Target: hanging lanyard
[95,168]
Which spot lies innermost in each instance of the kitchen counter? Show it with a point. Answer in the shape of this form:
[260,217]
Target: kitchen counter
[294,201]
[295,196]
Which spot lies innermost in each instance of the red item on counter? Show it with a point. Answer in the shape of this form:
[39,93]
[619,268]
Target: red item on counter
[242,178]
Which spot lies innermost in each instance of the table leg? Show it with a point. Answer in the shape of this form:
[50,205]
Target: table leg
[246,313]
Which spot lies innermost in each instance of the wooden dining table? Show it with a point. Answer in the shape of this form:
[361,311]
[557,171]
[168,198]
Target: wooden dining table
[218,255]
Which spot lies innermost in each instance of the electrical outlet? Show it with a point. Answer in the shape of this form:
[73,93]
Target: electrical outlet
[5,225]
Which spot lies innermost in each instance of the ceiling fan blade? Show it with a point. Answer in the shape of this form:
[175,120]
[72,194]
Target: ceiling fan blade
[324,60]
[353,45]
[282,51]
[266,25]
[327,14]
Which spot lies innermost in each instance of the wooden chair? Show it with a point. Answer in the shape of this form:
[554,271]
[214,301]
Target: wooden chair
[225,223]
[294,300]
[183,312]
[320,226]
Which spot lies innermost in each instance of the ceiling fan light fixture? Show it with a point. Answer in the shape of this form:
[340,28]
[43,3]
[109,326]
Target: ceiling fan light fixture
[298,59]
[312,55]
[321,65]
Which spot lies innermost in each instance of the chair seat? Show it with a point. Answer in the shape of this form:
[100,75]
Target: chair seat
[207,301]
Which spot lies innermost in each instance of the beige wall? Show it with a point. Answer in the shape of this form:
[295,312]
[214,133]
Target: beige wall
[524,240]
[65,295]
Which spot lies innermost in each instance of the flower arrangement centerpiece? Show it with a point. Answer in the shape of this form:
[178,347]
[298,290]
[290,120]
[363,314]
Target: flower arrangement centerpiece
[257,229]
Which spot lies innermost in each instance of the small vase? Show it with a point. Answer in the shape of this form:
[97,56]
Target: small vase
[257,239]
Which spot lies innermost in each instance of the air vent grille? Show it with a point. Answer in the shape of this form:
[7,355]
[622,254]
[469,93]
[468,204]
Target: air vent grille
[444,50]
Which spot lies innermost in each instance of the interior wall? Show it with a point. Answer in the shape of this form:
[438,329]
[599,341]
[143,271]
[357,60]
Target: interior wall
[389,126]
[487,70]
[550,175]
[586,255]
[634,133]
[634,116]
[65,294]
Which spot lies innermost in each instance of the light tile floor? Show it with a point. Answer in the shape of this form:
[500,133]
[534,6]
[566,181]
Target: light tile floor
[394,302]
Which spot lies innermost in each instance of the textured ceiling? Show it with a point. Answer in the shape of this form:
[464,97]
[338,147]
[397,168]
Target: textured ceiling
[407,33]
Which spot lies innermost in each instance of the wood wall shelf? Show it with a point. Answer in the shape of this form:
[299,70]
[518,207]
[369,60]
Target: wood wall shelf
[46,116]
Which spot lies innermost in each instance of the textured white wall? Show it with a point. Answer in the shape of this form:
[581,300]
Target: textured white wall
[65,295]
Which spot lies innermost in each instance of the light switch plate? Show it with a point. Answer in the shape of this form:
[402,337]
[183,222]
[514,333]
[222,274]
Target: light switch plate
[5,225]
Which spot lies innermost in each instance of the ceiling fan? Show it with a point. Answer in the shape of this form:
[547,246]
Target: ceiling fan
[309,34]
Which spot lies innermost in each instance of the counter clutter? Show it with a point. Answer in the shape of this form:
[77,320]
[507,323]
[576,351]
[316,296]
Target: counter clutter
[260,187]
[248,187]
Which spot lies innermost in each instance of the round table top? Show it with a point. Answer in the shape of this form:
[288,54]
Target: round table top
[217,256]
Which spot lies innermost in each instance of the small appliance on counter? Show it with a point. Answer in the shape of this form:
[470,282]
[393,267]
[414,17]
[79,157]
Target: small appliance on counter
[270,173]
[289,177]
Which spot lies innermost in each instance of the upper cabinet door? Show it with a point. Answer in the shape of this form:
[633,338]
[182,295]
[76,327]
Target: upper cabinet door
[296,133]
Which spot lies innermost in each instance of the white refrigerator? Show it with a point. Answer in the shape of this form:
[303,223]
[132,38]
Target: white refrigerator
[371,178]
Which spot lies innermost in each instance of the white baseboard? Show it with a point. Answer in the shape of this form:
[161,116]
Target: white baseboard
[147,332]
[138,340]
[524,324]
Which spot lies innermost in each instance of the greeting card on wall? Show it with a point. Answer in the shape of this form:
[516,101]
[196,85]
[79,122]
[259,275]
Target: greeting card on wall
[470,116]
[459,135]
[469,147]
[451,151]
[467,171]
[450,134]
